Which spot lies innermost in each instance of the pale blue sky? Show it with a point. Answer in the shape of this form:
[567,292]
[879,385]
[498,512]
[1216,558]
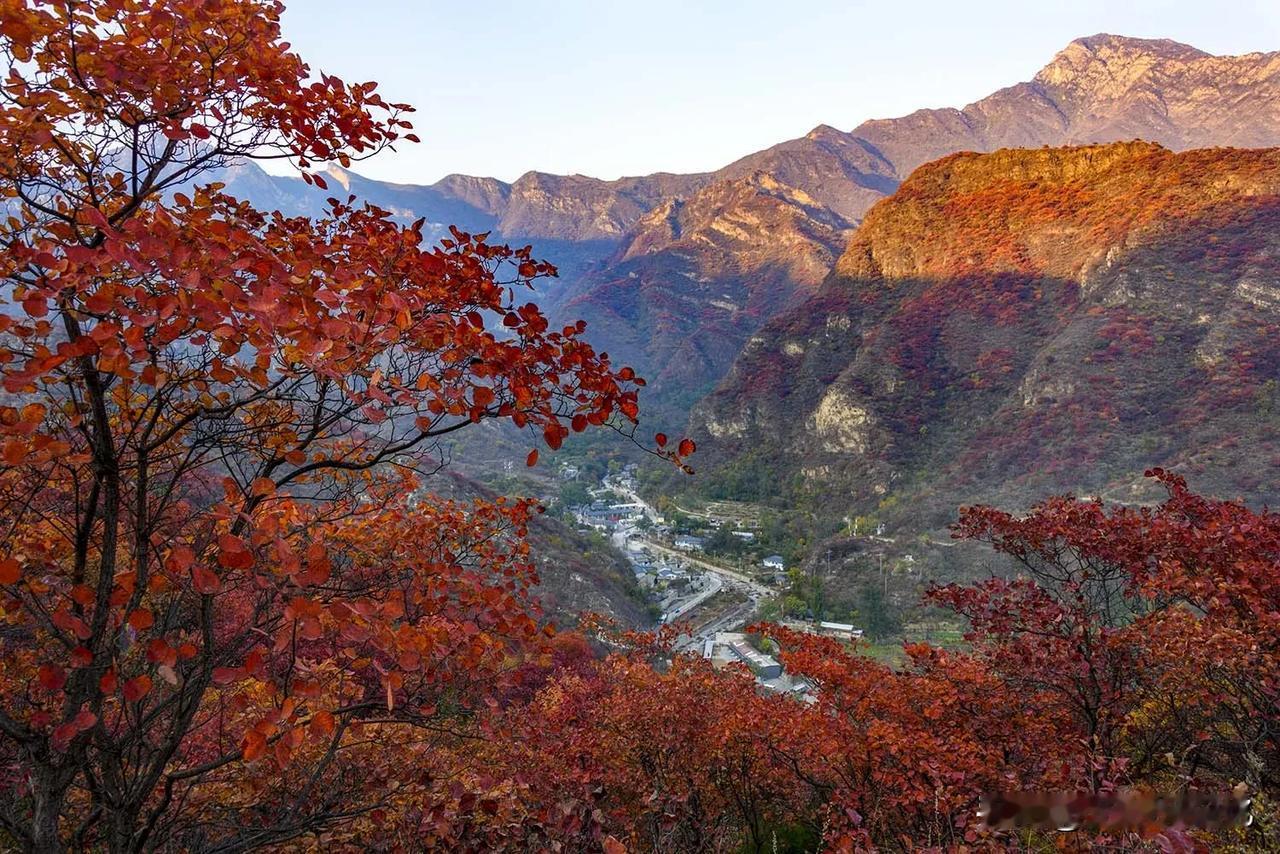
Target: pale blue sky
[609,88]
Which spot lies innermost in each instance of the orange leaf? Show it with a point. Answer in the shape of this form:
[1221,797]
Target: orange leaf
[532,459]
[179,559]
[10,571]
[253,745]
[322,723]
[205,581]
[141,619]
[136,688]
[15,451]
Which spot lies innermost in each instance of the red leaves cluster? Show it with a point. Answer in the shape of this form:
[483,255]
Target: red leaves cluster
[220,566]
[1138,649]
[676,455]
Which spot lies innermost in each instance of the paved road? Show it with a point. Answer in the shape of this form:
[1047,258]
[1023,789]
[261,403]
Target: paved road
[741,578]
[726,577]
[712,589]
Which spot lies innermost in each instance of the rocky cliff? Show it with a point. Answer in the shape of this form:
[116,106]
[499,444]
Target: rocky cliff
[674,272]
[671,318]
[695,277]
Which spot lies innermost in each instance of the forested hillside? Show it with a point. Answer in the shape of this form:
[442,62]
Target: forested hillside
[1017,324]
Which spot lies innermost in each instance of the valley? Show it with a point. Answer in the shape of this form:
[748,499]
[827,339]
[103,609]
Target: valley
[854,334]
[902,488]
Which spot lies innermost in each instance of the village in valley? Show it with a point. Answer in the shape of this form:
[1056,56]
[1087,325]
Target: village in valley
[687,586]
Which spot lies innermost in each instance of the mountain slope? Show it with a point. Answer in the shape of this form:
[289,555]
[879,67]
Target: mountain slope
[679,310]
[1102,89]
[577,571]
[836,169]
[696,277]
[1020,323]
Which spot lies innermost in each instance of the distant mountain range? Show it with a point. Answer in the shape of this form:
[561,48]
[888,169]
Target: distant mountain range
[1005,326]
[1102,89]
[1099,89]
[674,273]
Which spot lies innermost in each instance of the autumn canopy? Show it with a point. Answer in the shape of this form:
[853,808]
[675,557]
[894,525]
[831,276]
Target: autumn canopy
[233,615]
[217,564]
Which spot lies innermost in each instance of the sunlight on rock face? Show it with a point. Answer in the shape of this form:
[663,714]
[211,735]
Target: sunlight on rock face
[840,422]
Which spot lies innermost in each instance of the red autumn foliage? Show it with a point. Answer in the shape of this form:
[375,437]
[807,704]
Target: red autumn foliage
[220,581]
[1138,649]
[232,617]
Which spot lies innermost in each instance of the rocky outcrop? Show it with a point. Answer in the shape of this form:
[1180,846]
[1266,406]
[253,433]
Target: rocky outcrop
[676,272]
[837,170]
[695,277]
[575,207]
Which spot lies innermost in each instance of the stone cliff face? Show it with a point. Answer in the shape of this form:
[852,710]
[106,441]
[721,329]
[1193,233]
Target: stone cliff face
[1021,323]
[694,278]
[1101,89]
[1104,88]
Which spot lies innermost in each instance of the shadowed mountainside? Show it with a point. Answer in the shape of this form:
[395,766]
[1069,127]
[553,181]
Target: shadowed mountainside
[673,273]
[1016,324]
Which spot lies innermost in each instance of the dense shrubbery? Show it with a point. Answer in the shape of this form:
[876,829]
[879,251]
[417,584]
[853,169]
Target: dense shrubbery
[1140,647]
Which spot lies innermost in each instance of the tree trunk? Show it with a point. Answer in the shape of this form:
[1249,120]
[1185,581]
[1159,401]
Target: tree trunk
[49,790]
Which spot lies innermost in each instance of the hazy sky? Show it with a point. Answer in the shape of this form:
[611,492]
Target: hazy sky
[610,88]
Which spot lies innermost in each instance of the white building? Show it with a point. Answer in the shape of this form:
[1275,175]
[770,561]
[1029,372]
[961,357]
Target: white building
[840,630]
[764,666]
[775,562]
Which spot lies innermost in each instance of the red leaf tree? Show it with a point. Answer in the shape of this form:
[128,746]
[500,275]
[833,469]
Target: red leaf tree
[220,582]
[1156,630]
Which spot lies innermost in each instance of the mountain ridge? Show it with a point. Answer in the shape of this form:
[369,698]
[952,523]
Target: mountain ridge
[1100,88]
[846,173]
[1060,106]
[1084,314]
[1115,74]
